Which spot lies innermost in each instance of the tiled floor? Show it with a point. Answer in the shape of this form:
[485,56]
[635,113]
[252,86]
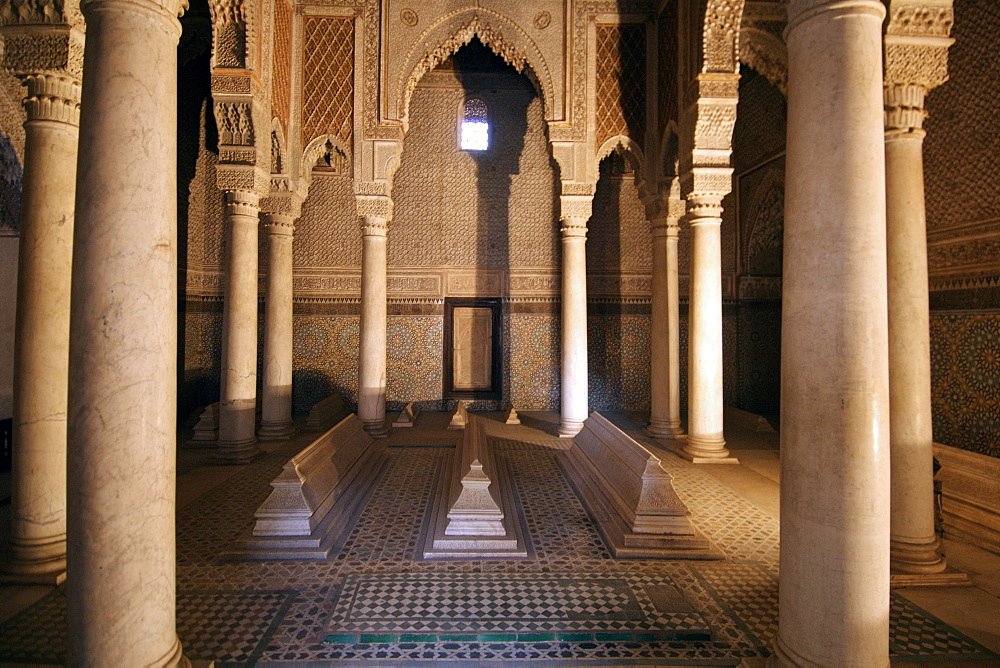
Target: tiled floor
[375,600]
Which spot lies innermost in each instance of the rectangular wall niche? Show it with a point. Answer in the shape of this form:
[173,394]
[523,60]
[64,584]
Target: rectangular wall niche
[473,348]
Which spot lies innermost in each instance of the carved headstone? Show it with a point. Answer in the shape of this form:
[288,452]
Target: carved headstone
[460,417]
[513,417]
[407,416]
[206,431]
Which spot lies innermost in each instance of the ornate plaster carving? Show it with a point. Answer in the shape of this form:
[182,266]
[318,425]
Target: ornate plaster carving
[720,36]
[328,153]
[456,29]
[37,49]
[917,38]
[767,54]
[632,153]
[235,121]
[233,28]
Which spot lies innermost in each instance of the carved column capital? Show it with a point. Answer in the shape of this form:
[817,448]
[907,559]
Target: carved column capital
[575,207]
[374,226]
[171,9]
[917,39]
[704,209]
[278,224]
[241,203]
[52,97]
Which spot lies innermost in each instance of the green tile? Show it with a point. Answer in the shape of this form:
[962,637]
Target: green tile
[418,637]
[497,637]
[459,637]
[342,638]
[379,637]
[575,637]
[612,637]
[535,637]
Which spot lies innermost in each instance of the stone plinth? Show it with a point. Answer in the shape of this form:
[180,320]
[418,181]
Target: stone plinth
[474,509]
[317,494]
[630,496]
[326,413]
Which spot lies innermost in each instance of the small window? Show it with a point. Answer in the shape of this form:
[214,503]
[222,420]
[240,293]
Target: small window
[475,126]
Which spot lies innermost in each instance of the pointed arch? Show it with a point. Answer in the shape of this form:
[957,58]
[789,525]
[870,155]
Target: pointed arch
[452,31]
[631,151]
[765,224]
[765,53]
[330,145]
[720,36]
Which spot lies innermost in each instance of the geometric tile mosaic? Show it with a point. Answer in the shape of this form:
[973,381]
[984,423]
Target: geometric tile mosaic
[375,601]
[448,603]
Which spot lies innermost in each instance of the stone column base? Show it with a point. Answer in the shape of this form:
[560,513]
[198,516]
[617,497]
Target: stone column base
[276,431]
[377,428]
[707,452]
[237,452]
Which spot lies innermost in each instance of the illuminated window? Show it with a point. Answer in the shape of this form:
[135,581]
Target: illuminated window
[475,126]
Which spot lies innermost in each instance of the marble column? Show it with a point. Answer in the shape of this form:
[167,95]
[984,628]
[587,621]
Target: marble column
[276,405]
[913,543]
[705,441]
[238,392]
[665,407]
[41,338]
[573,404]
[834,592]
[122,414]
[372,357]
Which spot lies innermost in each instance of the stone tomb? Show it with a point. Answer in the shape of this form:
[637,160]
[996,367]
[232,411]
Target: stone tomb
[630,496]
[326,413]
[316,496]
[474,514]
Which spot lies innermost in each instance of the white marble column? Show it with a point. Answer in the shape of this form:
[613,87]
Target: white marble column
[238,392]
[914,544]
[372,355]
[834,589]
[573,404]
[915,62]
[41,338]
[123,343]
[665,413]
[276,401]
[705,442]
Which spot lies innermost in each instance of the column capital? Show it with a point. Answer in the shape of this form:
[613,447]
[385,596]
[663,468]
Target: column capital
[704,209]
[278,224]
[52,97]
[904,108]
[800,11]
[573,227]
[576,203]
[241,203]
[171,9]
[374,226]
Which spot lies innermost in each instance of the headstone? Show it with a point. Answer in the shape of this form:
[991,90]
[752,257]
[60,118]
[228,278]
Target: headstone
[407,416]
[206,431]
[460,417]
